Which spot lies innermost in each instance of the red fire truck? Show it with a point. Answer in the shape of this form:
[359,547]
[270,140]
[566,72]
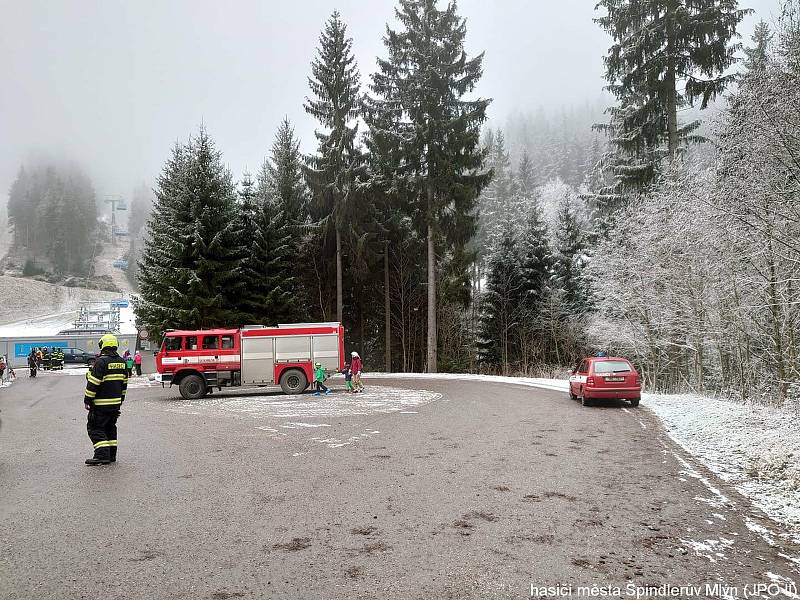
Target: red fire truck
[254,356]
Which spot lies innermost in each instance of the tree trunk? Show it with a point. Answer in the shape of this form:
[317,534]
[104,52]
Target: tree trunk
[776,318]
[339,301]
[671,84]
[387,313]
[432,339]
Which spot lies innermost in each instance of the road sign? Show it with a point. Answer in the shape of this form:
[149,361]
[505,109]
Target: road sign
[143,334]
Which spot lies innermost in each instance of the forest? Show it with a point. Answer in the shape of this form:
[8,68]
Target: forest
[656,227]
[52,210]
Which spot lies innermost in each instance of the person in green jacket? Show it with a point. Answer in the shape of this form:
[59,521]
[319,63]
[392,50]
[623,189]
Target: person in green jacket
[319,379]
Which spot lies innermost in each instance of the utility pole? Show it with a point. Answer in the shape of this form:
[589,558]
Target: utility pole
[116,203]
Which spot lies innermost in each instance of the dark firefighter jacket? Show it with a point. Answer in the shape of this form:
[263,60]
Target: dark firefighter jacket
[106,381]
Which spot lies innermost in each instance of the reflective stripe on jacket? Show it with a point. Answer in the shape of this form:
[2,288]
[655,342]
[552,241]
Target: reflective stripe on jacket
[106,381]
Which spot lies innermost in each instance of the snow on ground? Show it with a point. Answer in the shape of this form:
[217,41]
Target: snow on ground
[755,448]
[27,299]
[550,384]
[51,324]
[127,321]
[43,325]
[380,400]
[104,265]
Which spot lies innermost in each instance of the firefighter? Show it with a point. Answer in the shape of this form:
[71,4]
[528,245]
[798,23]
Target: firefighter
[32,364]
[60,358]
[106,384]
[45,359]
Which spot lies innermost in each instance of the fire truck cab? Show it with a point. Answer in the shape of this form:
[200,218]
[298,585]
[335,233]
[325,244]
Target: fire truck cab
[254,356]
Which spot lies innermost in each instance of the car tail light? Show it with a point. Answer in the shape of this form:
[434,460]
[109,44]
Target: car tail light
[590,381]
[636,379]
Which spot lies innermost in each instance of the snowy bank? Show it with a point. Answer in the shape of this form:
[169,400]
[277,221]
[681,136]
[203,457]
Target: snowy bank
[755,448]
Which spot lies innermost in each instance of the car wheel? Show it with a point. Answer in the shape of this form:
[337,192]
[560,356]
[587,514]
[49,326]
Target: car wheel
[571,395]
[193,387]
[634,402]
[293,381]
[584,400]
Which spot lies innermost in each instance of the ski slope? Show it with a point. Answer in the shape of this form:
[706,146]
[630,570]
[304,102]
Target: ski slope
[51,324]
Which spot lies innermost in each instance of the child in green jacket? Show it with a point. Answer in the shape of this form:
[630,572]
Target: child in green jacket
[319,378]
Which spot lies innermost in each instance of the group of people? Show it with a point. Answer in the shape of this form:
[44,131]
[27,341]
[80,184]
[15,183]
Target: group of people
[132,361]
[352,376]
[49,359]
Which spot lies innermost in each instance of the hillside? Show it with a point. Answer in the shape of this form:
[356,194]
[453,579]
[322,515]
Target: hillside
[22,299]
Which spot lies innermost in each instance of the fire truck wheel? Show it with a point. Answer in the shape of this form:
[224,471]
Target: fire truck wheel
[193,387]
[293,381]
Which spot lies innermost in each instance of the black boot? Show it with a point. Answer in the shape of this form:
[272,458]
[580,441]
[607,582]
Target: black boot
[97,461]
[113,454]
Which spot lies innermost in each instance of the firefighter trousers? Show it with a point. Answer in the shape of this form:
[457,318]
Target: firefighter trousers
[102,427]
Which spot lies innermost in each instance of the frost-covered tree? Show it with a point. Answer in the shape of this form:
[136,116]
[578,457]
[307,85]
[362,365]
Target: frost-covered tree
[569,259]
[666,56]
[333,172]
[527,180]
[420,114]
[189,273]
[758,54]
[697,280]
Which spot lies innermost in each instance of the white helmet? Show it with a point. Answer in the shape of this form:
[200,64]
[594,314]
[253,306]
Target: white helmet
[354,354]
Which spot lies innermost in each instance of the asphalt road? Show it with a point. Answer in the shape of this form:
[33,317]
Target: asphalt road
[417,489]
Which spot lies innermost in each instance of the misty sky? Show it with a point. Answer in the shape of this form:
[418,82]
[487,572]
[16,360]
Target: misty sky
[113,84]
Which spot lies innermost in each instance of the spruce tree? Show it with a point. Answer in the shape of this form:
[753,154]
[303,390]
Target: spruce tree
[269,266]
[284,173]
[569,260]
[419,111]
[496,199]
[536,255]
[189,275]
[666,56]
[248,201]
[758,54]
[283,180]
[247,229]
[502,305]
[526,176]
[334,171]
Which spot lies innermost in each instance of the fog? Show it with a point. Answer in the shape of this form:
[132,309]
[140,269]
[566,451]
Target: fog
[113,85]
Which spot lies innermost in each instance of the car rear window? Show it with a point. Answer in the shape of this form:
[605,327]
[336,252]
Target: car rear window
[611,366]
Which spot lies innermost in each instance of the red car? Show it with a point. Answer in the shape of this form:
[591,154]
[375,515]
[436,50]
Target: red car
[607,378]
